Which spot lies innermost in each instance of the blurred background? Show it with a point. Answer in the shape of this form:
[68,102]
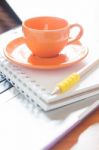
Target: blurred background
[8,19]
[84,12]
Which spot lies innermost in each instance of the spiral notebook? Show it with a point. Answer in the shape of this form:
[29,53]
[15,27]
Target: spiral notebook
[37,84]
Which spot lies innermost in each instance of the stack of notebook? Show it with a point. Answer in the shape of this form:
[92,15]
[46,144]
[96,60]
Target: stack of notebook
[37,84]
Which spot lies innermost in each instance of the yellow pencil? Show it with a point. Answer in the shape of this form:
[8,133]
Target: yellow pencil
[73,79]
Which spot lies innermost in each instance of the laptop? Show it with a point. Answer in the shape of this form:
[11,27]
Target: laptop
[24,126]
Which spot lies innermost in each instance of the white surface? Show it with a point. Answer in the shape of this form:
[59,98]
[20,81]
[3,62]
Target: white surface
[24,127]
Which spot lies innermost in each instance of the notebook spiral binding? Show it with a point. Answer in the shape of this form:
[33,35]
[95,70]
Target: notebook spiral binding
[12,77]
[34,104]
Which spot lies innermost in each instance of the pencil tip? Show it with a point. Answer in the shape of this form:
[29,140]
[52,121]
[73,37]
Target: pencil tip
[55,91]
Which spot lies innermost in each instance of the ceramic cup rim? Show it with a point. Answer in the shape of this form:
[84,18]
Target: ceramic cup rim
[45,30]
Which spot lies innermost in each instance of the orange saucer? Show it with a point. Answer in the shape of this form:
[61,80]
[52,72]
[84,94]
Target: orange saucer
[17,52]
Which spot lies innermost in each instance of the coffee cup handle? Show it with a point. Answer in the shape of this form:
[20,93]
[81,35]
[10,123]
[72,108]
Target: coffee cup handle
[78,36]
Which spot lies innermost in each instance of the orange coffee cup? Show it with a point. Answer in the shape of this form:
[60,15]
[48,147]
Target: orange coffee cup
[46,36]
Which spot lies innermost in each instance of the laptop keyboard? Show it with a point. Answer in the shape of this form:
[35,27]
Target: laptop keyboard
[4,85]
[2,78]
